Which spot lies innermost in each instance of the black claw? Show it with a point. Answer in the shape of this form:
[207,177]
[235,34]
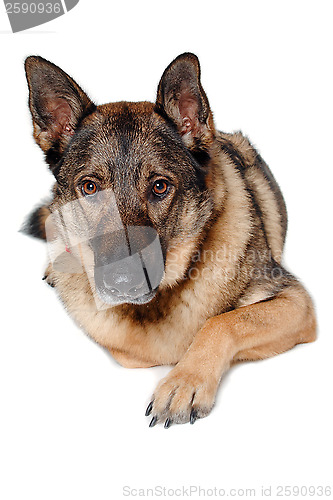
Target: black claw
[167,423]
[149,408]
[193,416]
[51,283]
[153,422]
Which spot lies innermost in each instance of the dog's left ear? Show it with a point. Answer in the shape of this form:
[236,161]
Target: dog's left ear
[181,98]
[57,106]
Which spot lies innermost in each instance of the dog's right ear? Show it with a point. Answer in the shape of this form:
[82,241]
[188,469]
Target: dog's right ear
[181,98]
[57,106]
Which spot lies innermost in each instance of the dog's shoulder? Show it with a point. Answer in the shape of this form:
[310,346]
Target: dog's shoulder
[262,189]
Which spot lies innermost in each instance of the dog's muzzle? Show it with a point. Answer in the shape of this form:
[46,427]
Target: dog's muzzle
[129,265]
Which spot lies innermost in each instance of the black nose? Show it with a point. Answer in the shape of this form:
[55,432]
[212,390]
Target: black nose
[129,264]
[125,278]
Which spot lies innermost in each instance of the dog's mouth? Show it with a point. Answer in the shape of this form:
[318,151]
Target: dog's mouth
[113,297]
[132,271]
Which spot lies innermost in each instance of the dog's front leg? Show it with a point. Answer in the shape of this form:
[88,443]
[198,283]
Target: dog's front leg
[49,276]
[252,332]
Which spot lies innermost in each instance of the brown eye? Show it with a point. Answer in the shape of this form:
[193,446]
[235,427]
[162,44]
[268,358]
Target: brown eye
[160,188]
[89,188]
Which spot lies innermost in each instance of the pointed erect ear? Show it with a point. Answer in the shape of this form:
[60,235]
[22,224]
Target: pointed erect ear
[182,99]
[57,105]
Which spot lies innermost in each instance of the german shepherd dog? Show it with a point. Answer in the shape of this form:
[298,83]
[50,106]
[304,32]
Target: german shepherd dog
[180,230]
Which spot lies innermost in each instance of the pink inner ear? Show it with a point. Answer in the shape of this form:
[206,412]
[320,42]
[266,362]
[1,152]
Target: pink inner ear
[188,109]
[61,114]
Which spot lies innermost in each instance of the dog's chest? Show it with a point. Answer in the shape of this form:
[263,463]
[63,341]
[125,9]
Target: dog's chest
[152,339]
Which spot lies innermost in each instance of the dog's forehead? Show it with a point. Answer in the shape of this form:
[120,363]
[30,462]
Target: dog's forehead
[123,134]
[133,121]
[122,113]
[118,129]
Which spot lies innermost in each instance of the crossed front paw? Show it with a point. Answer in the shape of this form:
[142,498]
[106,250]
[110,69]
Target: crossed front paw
[182,396]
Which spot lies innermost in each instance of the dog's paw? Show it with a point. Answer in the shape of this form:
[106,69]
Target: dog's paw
[49,276]
[182,396]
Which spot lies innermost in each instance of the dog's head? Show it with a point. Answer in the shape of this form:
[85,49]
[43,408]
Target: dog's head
[133,180]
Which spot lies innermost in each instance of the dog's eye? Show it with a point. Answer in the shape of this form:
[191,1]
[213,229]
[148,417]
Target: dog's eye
[89,188]
[160,188]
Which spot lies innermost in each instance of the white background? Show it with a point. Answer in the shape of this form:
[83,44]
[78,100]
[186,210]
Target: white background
[72,420]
